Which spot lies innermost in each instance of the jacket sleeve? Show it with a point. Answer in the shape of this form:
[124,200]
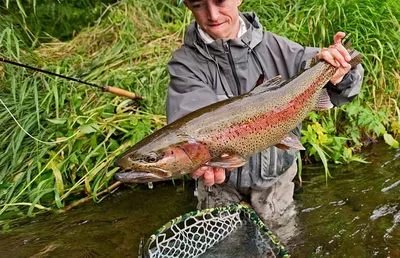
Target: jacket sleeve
[188,90]
[348,88]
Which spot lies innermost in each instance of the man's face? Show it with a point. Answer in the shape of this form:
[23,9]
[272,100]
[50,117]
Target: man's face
[218,18]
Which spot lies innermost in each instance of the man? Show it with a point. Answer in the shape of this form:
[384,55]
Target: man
[225,53]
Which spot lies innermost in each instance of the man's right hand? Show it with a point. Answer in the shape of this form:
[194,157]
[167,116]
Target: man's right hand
[212,175]
[338,56]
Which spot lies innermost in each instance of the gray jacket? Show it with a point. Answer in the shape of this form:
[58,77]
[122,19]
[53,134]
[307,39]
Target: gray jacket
[204,74]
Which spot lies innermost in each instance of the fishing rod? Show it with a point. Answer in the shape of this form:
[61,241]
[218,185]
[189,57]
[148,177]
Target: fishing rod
[114,90]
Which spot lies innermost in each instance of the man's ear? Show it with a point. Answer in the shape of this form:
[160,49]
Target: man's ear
[238,2]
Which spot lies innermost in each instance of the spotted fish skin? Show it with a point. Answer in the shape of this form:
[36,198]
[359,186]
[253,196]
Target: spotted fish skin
[225,133]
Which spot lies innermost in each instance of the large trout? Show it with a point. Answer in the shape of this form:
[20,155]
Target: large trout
[224,134]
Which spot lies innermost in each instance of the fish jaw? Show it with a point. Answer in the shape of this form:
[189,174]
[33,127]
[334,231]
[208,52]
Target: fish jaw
[171,162]
[146,176]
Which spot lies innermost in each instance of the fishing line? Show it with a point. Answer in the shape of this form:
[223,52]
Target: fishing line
[33,137]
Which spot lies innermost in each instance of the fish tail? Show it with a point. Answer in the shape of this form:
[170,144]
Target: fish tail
[356,58]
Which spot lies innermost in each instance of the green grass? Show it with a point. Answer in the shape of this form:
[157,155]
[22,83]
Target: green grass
[76,131]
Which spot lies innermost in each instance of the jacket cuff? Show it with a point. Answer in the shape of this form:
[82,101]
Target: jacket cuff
[345,91]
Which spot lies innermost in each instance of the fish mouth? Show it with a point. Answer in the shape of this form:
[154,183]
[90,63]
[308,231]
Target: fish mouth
[137,177]
[140,176]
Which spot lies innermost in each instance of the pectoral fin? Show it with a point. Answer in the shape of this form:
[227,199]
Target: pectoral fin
[228,161]
[290,142]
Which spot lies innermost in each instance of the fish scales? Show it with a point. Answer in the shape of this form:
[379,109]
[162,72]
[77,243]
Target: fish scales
[246,134]
[225,133]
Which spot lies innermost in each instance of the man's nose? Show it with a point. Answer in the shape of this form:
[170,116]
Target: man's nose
[213,12]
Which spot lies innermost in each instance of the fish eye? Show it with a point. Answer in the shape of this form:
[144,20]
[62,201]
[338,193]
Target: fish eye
[152,157]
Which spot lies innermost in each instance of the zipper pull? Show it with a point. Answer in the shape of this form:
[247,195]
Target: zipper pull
[227,47]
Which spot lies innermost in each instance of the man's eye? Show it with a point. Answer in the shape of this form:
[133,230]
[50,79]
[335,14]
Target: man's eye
[198,6]
[220,3]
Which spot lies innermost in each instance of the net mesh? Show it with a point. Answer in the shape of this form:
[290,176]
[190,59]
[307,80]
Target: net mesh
[199,232]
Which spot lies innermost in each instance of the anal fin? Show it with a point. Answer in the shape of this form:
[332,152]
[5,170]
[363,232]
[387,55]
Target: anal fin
[323,101]
[290,142]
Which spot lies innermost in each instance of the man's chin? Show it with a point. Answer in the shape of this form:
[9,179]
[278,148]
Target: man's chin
[218,32]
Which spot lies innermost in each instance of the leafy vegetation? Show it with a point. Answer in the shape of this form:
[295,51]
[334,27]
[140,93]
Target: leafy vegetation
[59,139]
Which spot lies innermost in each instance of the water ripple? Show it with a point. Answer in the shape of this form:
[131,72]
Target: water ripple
[391,186]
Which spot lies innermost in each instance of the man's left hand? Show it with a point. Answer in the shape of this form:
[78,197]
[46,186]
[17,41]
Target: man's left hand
[338,56]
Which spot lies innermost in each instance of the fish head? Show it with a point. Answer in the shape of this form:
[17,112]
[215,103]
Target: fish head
[158,158]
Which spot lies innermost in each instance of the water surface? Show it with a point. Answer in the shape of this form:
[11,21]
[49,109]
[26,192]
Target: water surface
[356,214]
[112,228]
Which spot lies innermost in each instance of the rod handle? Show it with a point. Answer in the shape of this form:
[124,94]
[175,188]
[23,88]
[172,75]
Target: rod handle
[121,92]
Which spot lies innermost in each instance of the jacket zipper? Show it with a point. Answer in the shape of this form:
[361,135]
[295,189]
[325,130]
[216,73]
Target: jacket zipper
[231,63]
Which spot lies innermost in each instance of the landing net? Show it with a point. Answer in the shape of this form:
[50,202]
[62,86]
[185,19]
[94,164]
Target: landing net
[207,233]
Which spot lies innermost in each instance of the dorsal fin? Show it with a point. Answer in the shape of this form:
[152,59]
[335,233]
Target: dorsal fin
[356,58]
[271,84]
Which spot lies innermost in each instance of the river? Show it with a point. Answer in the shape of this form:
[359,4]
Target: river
[354,214]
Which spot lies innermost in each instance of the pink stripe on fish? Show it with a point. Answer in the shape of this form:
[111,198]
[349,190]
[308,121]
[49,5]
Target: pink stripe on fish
[272,118]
